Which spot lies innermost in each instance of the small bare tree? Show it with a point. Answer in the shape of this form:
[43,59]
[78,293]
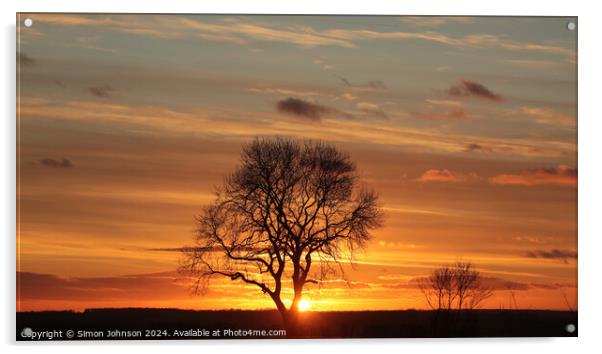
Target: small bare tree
[287,206]
[458,286]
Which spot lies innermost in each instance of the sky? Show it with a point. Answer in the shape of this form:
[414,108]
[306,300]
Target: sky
[465,126]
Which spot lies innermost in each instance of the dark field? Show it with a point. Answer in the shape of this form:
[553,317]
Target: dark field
[159,324]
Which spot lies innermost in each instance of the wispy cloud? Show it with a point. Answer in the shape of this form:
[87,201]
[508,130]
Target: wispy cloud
[455,114]
[103,91]
[549,116]
[167,120]
[368,85]
[178,26]
[286,92]
[56,163]
[531,64]
[435,21]
[371,109]
[563,255]
[241,33]
[450,103]
[562,175]
[472,40]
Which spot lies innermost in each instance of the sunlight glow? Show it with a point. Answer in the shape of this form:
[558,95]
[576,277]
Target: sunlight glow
[304,305]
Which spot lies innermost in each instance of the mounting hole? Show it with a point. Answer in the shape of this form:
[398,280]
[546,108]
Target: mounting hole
[571,26]
[28,22]
[570,328]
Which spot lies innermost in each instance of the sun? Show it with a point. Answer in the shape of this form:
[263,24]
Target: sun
[304,305]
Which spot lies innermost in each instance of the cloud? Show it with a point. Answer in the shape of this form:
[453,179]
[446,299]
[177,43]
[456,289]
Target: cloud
[552,286]
[325,66]
[563,255]
[371,85]
[344,80]
[372,109]
[454,114]
[101,91]
[166,27]
[300,36]
[315,112]
[548,116]
[25,59]
[562,175]
[472,40]
[445,103]
[301,108]
[530,239]
[532,64]
[349,97]
[434,175]
[194,249]
[492,283]
[63,163]
[201,121]
[285,92]
[375,84]
[51,287]
[435,21]
[468,88]
[477,148]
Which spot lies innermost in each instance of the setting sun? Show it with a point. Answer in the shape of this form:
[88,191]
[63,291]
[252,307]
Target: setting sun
[304,305]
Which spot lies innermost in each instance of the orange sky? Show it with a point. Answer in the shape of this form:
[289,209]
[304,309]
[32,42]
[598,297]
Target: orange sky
[465,126]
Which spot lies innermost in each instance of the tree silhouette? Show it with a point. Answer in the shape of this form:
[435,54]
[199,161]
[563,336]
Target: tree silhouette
[287,206]
[458,286]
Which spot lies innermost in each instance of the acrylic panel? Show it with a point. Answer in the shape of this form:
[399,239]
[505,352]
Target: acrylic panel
[268,177]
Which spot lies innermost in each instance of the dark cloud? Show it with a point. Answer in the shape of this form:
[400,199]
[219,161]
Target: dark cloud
[315,112]
[51,287]
[477,148]
[372,84]
[494,283]
[104,91]
[301,108]
[344,80]
[467,88]
[553,286]
[55,163]
[562,175]
[25,59]
[563,255]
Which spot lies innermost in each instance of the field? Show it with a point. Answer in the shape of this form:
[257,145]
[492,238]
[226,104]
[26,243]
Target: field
[161,324]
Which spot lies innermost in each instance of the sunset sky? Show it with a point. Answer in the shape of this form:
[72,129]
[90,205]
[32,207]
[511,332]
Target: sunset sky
[466,127]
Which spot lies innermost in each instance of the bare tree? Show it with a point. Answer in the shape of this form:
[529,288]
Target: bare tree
[287,206]
[457,286]
[437,288]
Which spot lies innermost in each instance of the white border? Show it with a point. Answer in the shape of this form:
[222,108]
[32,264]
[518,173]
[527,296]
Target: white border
[589,166]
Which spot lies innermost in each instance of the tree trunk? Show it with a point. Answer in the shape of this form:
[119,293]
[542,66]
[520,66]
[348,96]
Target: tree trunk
[290,319]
